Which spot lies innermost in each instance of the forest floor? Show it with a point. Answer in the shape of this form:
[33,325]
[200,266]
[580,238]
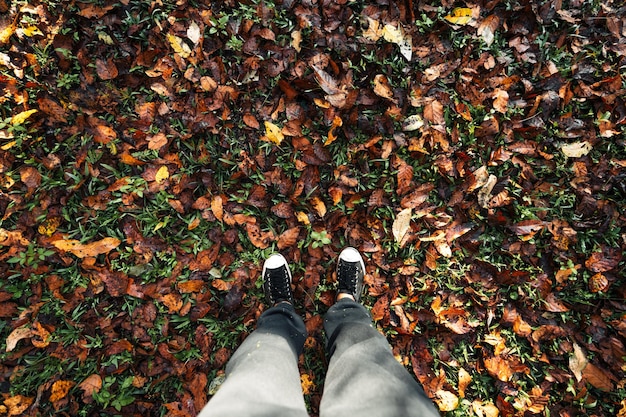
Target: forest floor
[153,153]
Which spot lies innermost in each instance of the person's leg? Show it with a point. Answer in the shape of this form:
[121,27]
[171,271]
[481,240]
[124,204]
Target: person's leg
[364,378]
[262,376]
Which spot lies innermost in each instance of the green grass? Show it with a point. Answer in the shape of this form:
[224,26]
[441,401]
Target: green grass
[84,190]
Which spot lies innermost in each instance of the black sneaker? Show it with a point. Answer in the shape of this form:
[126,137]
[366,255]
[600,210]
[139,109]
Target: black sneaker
[350,272]
[277,280]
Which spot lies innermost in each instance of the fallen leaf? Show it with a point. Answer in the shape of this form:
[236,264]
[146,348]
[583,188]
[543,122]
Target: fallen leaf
[598,378]
[193,33]
[40,336]
[500,100]
[288,238]
[337,122]
[487,28]
[60,389]
[88,249]
[382,88]
[20,118]
[273,133]
[106,70]
[179,46]
[598,283]
[91,384]
[446,400]
[484,194]
[308,386]
[18,404]
[157,141]
[412,123]
[460,16]
[578,362]
[577,149]
[483,409]
[162,174]
[23,332]
[104,134]
[396,35]
[401,224]
[464,380]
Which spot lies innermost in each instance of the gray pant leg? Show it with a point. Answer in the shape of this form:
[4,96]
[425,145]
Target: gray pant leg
[262,376]
[364,378]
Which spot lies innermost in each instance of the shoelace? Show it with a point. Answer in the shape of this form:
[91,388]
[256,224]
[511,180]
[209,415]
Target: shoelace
[278,283]
[348,274]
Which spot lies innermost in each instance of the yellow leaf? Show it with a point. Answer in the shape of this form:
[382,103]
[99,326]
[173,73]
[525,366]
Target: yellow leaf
[31,31]
[460,16]
[18,404]
[20,118]
[162,174]
[302,217]
[7,32]
[308,385]
[273,133]
[49,226]
[180,47]
[373,32]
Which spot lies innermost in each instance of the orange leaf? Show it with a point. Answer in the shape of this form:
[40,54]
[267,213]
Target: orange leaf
[60,389]
[40,336]
[89,249]
[18,404]
[464,380]
[104,134]
[173,302]
[337,122]
[194,285]
[217,207]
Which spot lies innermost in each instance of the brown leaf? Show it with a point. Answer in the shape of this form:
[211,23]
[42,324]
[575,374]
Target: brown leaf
[257,237]
[191,286]
[597,377]
[40,336]
[433,112]
[554,305]
[382,88]
[173,302]
[30,177]
[604,261]
[288,238]
[157,141]
[91,384]
[106,70]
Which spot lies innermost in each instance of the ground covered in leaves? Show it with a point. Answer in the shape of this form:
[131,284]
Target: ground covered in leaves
[153,153]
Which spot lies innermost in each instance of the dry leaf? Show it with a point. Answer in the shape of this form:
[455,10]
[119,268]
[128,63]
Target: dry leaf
[412,123]
[162,174]
[337,122]
[485,409]
[577,149]
[578,362]
[446,400]
[460,16]
[396,35]
[16,335]
[88,249]
[273,133]
[179,46]
[193,33]
[484,194]
[598,378]
[17,404]
[402,224]
[464,380]
[487,29]
[500,100]
[60,389]
[382,88]
[91,384]
[20,118]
